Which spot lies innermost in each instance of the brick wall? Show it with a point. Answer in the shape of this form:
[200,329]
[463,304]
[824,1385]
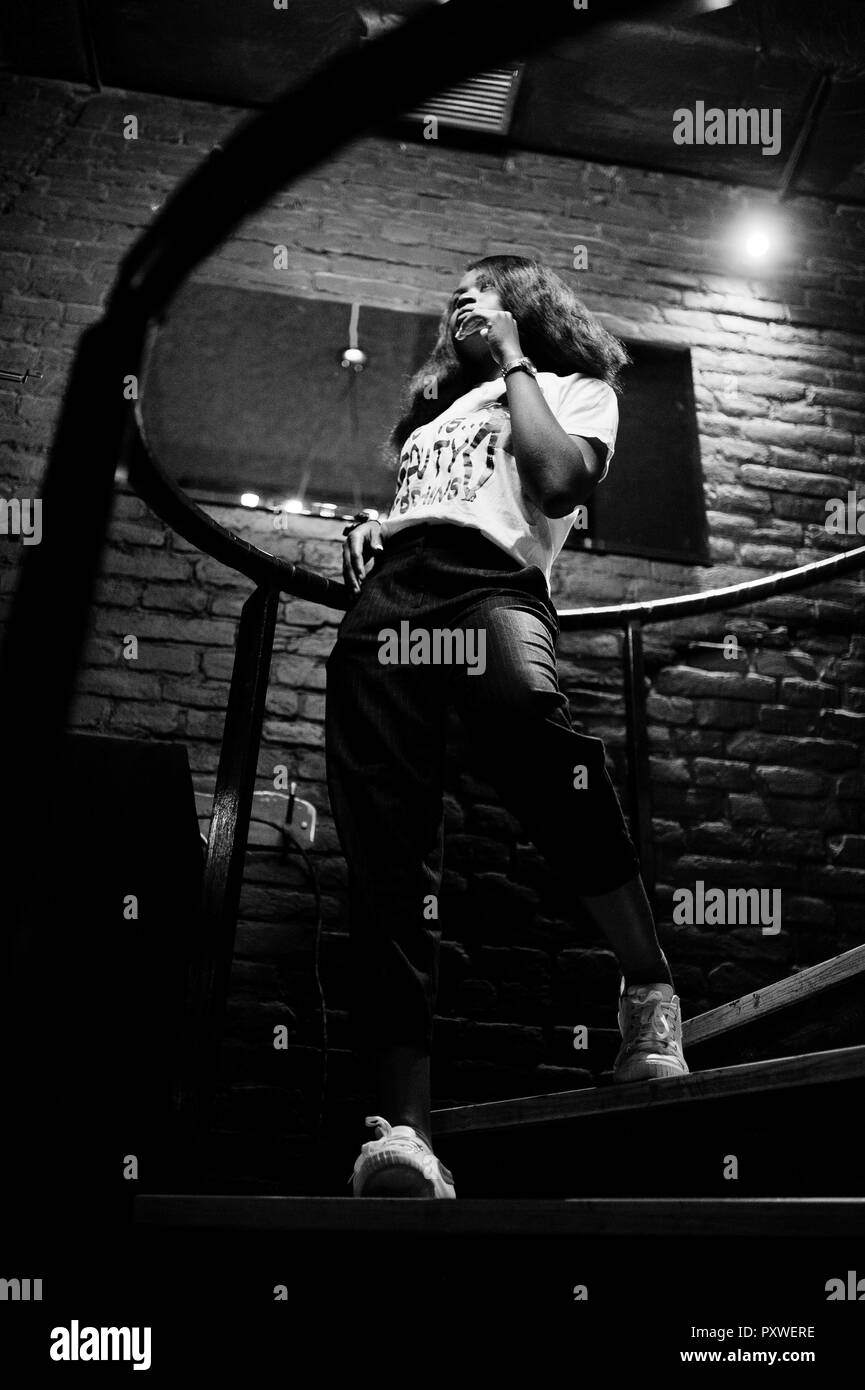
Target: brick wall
[757,761]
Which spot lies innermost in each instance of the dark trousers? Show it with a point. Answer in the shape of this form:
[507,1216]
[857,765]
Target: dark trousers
[385,743]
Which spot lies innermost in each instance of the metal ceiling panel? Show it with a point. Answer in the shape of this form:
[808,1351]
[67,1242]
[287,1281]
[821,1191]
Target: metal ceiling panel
[621,110]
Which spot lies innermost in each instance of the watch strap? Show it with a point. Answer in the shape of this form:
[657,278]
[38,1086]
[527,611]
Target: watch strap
[519,364]
[358,520]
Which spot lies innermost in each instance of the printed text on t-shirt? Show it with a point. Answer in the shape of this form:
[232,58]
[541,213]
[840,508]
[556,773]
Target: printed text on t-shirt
[461,455]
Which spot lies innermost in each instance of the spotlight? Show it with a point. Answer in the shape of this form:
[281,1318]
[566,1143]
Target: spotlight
[355,358]
[757,243]
[760,237]
[293,504]
[249,499]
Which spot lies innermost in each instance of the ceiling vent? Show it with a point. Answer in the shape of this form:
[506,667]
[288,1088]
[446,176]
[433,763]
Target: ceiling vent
[484,102]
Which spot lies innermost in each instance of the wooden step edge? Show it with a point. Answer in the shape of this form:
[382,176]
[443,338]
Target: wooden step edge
[810,1069]
[600,1216]
[793,989]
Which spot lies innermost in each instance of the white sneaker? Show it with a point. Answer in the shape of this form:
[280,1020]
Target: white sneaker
[399,1164]
[650,1022]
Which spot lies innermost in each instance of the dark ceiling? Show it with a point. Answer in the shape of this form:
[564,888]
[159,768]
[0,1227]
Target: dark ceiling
[609,96]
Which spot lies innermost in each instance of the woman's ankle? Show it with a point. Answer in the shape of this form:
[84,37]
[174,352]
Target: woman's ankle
[656,973]
[402,1088]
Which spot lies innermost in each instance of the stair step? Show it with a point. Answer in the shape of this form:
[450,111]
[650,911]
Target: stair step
[724,1216]
[810,1069]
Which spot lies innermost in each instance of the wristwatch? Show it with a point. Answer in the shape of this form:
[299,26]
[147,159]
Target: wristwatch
[357,520]
[519,364]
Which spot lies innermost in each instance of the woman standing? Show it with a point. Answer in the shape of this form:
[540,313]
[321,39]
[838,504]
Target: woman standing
[508,429]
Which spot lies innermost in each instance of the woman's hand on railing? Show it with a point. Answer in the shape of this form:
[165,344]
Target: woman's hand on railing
[359,549]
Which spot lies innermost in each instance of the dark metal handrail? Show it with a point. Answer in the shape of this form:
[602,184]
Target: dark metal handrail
[154,486]
[183,515]
[665,610]
[631,617]
[265,569]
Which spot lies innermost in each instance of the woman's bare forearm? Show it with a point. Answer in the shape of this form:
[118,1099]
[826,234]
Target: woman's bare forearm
[554,468]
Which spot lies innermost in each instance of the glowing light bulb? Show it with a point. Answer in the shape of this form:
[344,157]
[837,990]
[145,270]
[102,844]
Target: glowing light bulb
[758,243]
[761,234]
[293,504]
[249,499]
[355,358]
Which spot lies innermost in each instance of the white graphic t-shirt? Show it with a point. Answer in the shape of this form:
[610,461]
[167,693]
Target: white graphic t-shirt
[458,469]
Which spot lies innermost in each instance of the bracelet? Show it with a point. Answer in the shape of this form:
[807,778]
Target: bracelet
[358,520]
[519,364]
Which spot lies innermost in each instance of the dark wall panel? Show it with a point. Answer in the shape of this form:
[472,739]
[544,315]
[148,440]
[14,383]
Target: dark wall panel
[246,391]
[651,502]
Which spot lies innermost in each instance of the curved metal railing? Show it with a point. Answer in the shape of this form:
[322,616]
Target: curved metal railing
[184,516]
[665,610]
[271,573]
[632,617]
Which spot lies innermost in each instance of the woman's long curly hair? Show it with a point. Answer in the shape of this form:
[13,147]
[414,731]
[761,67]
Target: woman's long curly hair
[556,330]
